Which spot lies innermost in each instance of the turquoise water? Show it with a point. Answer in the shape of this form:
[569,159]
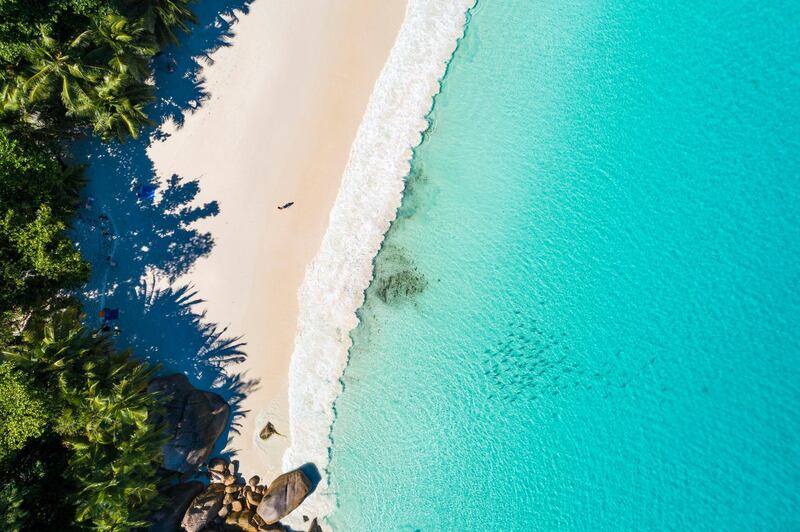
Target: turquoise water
[587,314]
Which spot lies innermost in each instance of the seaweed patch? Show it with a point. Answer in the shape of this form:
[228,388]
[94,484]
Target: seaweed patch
[396,277]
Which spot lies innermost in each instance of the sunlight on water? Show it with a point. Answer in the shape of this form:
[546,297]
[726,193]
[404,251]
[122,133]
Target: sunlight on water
[585,317]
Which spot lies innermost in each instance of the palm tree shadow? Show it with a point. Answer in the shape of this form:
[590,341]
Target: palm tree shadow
[140,242]
[180,87]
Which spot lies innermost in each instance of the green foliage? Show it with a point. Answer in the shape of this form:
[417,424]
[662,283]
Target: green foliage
[105,418]
[43,259]
[59,68]
[12,515]
[37,196]
[78,446]
[125,46]
[20,21]
[30,175]
[163,17]
[34,492]
[75,63]
[118,109]
[24,410]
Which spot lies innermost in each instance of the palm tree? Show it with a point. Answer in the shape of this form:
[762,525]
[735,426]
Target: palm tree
[162,17]
[105,417]
[125,46]
[47,343]
[59,67]
[116,107]
[12,94]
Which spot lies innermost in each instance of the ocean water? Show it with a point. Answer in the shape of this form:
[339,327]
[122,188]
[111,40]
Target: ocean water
[586,314]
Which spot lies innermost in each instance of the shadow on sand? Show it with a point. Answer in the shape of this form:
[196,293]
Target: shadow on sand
[139,244]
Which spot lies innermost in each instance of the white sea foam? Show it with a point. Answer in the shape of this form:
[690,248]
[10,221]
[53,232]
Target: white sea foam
[371,191]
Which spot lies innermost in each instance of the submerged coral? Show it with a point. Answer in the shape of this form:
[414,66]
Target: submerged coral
[396,276]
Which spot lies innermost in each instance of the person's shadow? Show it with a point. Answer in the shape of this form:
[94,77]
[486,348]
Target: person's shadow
[140,242]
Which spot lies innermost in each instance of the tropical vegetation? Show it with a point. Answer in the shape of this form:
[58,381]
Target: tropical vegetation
[70,387]
[38,196]
[69,64]
[78,446]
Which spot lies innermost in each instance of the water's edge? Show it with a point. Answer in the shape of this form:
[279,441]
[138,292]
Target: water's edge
[367,202]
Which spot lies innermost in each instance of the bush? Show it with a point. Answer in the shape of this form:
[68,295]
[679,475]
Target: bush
[30,176]
[37,197]
[24,410]
[21,20]
[35,494]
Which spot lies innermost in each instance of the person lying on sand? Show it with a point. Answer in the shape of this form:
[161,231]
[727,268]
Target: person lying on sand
[285,206]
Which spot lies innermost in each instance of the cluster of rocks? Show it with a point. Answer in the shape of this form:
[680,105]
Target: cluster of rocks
[194,420]
[228,503]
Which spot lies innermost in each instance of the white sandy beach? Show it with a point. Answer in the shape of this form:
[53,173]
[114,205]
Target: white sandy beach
[286,100]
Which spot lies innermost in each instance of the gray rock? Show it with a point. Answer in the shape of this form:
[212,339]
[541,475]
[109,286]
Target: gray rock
[284,494]
[245,521]
[232,518]
[218,464]
[176,500]
[268,431]
[314,526]
[194,419]
[204,508]
[252,498]
[257,520]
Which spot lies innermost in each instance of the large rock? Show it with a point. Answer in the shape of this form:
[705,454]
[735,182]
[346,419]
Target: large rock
[314,526]
[284,495]
[194,420]
[203,509]
[176,500]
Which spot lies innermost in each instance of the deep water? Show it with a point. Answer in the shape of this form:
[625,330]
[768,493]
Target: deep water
[586,315]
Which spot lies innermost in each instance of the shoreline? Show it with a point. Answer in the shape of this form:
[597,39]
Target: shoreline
[370,193]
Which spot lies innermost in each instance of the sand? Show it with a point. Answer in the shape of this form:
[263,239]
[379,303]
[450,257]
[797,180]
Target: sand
[286,100]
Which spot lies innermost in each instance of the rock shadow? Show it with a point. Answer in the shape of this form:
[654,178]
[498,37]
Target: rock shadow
[312,472]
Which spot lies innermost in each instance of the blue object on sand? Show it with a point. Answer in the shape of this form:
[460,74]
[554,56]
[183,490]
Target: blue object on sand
[146,192]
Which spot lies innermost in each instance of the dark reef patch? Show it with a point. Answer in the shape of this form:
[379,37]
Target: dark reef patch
[396,277]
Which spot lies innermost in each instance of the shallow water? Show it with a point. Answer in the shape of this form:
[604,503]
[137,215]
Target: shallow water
[585,316]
